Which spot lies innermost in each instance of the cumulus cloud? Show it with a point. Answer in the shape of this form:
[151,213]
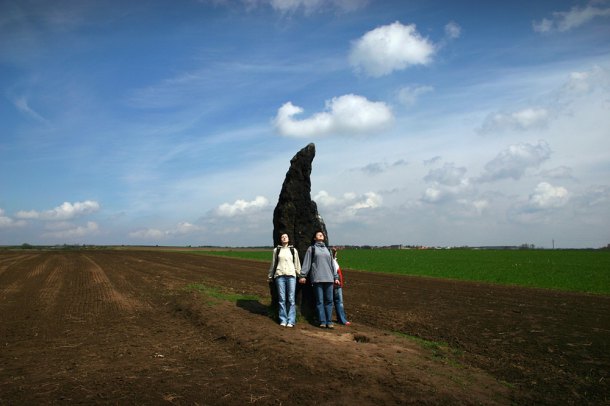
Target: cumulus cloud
[347,207]
[556,104]
[73,231]
[390,48]
[6,222]
[441,193]
[586,82]
[448,183]
[459,200]
[408,95]
[548,196]
[566,20]
[241,207]
[545,202]
[348,114]
[66,211]
[515,160]
[449,175]
[523,120]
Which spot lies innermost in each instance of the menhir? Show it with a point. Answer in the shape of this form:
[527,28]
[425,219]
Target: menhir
[295,212]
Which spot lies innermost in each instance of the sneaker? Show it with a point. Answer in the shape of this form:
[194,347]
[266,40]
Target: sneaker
[283,324]
[289,325]
[330,326]
[322,325]
[348,323]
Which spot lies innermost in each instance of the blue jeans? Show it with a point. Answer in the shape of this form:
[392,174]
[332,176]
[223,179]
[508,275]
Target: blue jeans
[286,286]
[324,302]
[338,298]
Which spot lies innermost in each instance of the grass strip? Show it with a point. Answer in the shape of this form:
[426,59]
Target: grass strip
[570,270]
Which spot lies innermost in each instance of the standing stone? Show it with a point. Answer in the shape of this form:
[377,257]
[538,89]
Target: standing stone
[297,215]
[295,212]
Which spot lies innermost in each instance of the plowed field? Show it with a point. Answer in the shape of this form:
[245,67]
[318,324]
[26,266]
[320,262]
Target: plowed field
[120,327]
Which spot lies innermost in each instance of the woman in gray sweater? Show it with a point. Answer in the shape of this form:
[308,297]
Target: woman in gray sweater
[319,266]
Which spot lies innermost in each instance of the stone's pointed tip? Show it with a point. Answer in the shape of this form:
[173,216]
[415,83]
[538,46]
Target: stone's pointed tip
[308,152]
[310,146]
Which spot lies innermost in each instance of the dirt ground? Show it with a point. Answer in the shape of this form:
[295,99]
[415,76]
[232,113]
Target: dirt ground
[120,327]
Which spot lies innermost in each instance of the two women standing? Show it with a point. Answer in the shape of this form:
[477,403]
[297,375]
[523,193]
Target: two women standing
[324,274]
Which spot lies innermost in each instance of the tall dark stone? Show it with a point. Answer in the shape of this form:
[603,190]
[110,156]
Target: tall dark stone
[297,215]
[295,212]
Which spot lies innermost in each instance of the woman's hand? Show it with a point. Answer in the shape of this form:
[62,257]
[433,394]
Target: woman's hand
[302,280]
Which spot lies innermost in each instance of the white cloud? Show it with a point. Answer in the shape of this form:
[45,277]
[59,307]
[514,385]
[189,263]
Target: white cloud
[389,48]
[186,228]
[77,231]
[567,20]
[180,229]
[448,183]
[453,30]
[376,168]
[148,234]
[548,196]
[554,105]
[585,82]
[515,160]
[408,95]
[480,205]
[449,175]
[6,222]
[66,211]
[523,120]
[23,106]
[348,114]
[241,207]
[347,207]
[244,222]
[440,193]
[544,205]
[432,195]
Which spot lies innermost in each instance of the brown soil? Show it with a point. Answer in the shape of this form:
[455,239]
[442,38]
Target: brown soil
[120,327]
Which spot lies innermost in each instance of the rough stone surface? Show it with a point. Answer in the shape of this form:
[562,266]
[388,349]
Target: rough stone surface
[295,212]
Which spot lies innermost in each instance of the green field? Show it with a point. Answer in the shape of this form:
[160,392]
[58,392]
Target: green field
[572,270]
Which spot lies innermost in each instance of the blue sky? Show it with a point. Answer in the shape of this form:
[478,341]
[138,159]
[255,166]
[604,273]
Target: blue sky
[435,123]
